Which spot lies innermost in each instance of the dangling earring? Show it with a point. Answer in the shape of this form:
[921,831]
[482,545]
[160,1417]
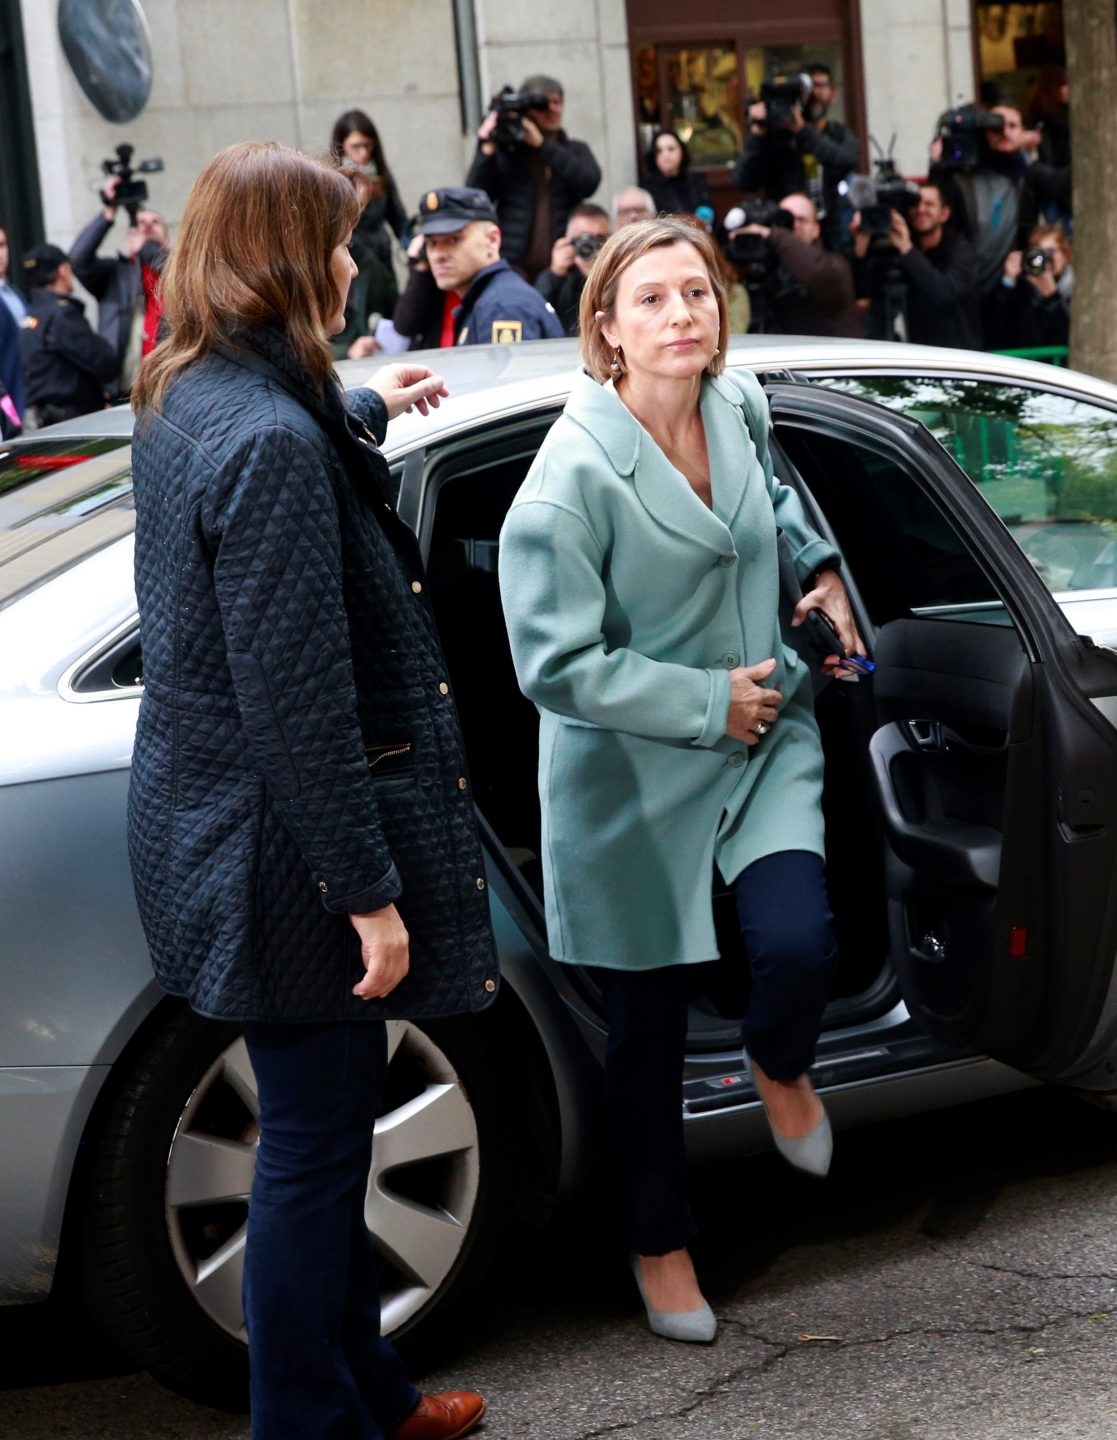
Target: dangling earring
[615,363]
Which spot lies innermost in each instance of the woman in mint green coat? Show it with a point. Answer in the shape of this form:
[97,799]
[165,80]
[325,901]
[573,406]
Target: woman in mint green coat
[640,582]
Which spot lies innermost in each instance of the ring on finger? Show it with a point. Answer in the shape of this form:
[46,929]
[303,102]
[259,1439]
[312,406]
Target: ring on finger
[762,727]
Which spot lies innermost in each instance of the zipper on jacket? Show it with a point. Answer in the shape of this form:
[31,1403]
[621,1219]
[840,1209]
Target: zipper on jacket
[386,752]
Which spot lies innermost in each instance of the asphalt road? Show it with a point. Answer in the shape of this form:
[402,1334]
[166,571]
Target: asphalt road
[954,1279]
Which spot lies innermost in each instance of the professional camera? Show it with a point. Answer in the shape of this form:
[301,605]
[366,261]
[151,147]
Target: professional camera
[780,93]
[876,196]
[750,253]
[510,106]
[961,133]
[131,194]
[1035,260]
[587,246]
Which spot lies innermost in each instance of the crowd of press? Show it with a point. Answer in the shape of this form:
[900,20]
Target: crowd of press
[977,254]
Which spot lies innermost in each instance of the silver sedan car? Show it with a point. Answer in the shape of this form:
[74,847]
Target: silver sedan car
[971,807]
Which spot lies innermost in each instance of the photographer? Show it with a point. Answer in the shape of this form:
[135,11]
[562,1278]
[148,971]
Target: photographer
[811,290]
[794,146]
[1030,308]
[533,173]
[66,366]
[933,269]
[979,162]
[572,258]
[126,288]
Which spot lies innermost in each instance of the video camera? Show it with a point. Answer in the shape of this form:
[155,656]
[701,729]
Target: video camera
[780,93]
[510,105]
[876,196]
[131,194]
[750,252]
[961,134]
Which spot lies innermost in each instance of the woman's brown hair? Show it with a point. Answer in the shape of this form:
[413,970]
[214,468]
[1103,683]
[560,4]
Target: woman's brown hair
[628,244]
[260,224]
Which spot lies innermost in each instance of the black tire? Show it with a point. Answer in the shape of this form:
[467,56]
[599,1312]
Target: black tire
[143,1252]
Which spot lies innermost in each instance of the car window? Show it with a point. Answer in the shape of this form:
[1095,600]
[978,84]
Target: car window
[908,557]
[1046,463]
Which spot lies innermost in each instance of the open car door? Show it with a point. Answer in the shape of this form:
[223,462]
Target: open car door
[993,751]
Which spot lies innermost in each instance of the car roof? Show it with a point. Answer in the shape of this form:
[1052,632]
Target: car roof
[82,501]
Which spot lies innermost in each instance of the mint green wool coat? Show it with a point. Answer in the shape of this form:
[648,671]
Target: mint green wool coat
[628,602]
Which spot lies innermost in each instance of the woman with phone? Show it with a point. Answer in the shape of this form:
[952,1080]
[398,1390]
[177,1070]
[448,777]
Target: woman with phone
[639,575]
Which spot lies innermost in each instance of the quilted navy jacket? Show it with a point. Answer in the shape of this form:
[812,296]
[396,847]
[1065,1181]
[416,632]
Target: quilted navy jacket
[298,755]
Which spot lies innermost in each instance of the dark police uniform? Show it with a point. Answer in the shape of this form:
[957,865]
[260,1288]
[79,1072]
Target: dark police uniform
[500,308]
[66,364]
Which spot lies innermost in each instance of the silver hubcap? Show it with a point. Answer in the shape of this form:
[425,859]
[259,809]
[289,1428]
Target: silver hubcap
[422,1190]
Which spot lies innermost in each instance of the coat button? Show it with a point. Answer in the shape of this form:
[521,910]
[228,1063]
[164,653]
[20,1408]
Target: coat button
[490,986]
[732,659]
[725,561]
[443,688]
[480,882]
[323,886]
[463,783]
[417,586]
[737,759]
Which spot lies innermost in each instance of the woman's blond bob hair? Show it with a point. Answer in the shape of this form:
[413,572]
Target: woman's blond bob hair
[613,259]
[260,225]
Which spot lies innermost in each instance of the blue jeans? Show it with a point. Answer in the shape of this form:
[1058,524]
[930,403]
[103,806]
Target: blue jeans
[320,1369]
[785,920]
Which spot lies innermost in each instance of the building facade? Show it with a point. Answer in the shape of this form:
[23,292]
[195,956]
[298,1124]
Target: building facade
[227,70]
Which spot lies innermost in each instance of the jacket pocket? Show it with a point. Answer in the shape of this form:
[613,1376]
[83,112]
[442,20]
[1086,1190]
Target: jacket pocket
[392,763]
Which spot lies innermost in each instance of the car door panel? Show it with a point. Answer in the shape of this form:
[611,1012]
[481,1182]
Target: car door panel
[993,765]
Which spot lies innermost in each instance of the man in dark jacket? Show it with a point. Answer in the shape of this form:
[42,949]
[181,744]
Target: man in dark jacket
[125,287]
[66,367]
[810,153]
[811,292]
[933,269]
[535,182]
[572,257]
[463,251]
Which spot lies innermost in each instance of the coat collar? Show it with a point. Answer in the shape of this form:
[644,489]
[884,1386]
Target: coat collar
[663,492]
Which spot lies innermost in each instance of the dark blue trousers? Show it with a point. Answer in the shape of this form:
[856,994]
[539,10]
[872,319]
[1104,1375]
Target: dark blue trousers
[320,1369]
[785,921]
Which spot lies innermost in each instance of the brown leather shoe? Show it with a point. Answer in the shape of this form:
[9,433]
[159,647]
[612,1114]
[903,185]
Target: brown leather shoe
[442,1417]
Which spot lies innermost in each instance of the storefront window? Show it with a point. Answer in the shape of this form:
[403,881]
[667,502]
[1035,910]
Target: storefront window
[1021,55]
[702,91]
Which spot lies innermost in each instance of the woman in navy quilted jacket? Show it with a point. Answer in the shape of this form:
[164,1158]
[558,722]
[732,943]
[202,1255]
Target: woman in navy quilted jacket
[303,846]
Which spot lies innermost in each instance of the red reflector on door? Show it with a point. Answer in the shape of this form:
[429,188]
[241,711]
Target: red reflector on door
[1018,942]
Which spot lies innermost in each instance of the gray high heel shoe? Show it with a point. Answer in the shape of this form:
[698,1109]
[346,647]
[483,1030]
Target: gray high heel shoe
[699,1326]
[811,1152]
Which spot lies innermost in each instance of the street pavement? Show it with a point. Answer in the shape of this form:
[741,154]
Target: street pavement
[954,1279]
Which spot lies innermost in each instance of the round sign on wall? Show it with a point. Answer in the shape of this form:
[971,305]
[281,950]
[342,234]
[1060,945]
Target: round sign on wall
[108,46]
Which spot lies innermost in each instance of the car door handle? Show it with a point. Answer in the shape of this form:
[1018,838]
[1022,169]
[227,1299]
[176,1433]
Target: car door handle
[934,736]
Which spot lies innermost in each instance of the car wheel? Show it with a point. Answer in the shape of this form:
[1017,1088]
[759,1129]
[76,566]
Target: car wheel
[165,1226]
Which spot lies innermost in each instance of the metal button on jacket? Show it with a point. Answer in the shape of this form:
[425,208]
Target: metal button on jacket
[323,886]
[490,986]
[480,882]
[417,586]
[463,783]
[443,688]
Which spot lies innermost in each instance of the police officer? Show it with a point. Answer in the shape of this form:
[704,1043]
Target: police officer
[462,238]
[66,365]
